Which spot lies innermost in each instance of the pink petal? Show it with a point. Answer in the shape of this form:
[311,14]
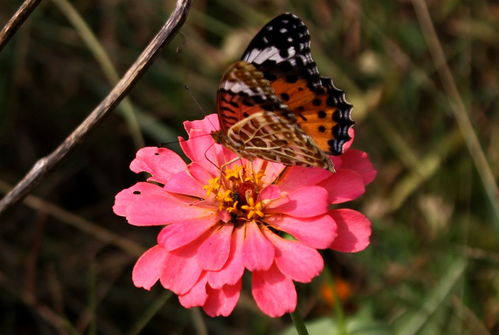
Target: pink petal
[298,176]
[317,232]
[337,161]
[148,268]
[181,233]
[270,192]
[214,251]
[233,270]
[359,162]
[273,292]
[304,202]
[344,185]
[222,301]
[196,296]
[354,230]
[271,170]
[209,124]
[129,195]
[258,252]
[161,163]
[161,209]
[348,144]
[184,183]
[202,149]
[201,174]
[181,270]
[295,260]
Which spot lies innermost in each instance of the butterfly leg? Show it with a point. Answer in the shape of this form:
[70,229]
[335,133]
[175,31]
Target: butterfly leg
[230,162]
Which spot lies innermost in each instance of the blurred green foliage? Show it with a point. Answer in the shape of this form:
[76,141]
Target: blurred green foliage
[432,267]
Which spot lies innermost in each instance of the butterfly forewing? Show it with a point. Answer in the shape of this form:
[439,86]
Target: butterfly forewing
[242,92]
[281,50]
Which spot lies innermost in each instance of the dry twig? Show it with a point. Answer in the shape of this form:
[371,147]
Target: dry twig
[16,21]
[46,164]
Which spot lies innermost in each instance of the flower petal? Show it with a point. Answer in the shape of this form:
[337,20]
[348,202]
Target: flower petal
[271,192]
[294,259]
[271,170]
[258,252]
[181,270]
[184,183]
[151,209]
[202,149]
[214,251]
[354,230]
[348,144]
[317,232]
[148,267]
[222,301]
[128,196]
[344,185]
[181,233]
[201,174]
[196,296]
[233,270]
[273,292]
[304,202]
[359,162]
[298,176]
[208,124]
[161,163]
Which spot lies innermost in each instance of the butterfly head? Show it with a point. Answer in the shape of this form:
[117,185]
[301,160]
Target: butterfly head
[218,137]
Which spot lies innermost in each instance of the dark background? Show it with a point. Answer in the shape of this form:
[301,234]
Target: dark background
[432,266]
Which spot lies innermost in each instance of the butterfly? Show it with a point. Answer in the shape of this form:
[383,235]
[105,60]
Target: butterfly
[274,105]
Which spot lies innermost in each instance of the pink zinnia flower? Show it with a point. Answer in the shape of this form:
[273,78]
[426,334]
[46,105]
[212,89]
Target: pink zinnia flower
[261,216]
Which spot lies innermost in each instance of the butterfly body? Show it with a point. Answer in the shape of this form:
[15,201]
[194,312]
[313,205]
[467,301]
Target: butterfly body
[274,105]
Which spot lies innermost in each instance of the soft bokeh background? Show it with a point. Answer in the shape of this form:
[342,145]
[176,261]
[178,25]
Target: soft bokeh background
[432,267]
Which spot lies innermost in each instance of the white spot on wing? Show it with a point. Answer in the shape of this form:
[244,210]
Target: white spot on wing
[270,53]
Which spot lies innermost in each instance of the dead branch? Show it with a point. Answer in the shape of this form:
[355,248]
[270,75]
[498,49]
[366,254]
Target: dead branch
[16,21]
[47,163]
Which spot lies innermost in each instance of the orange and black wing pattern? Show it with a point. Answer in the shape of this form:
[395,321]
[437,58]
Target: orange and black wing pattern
[244,91]
[281,52]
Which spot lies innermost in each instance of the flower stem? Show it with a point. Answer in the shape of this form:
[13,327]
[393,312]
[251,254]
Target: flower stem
[298,322]
[338,309]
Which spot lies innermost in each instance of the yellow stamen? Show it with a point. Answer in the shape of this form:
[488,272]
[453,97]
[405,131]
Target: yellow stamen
[224,196]
[213,186]
[233,208]
[234,172]
[252,208]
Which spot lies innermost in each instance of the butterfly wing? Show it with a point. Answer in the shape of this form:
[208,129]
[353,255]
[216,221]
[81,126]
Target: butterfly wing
[281,51]
[277,138]
[243,91]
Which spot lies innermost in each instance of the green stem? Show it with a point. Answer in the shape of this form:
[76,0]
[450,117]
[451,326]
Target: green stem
[298,323]
[338,309]
[149,313]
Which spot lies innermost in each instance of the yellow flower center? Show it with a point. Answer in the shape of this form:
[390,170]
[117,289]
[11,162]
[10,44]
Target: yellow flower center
[236,192]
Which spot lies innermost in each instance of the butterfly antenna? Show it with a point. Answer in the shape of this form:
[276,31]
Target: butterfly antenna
[209,160]
[201,109]
[203,112]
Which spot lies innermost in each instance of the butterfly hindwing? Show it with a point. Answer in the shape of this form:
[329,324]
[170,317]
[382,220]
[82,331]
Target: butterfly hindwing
[274,137]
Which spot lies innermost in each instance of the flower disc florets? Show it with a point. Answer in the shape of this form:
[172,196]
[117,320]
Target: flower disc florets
[236,192]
